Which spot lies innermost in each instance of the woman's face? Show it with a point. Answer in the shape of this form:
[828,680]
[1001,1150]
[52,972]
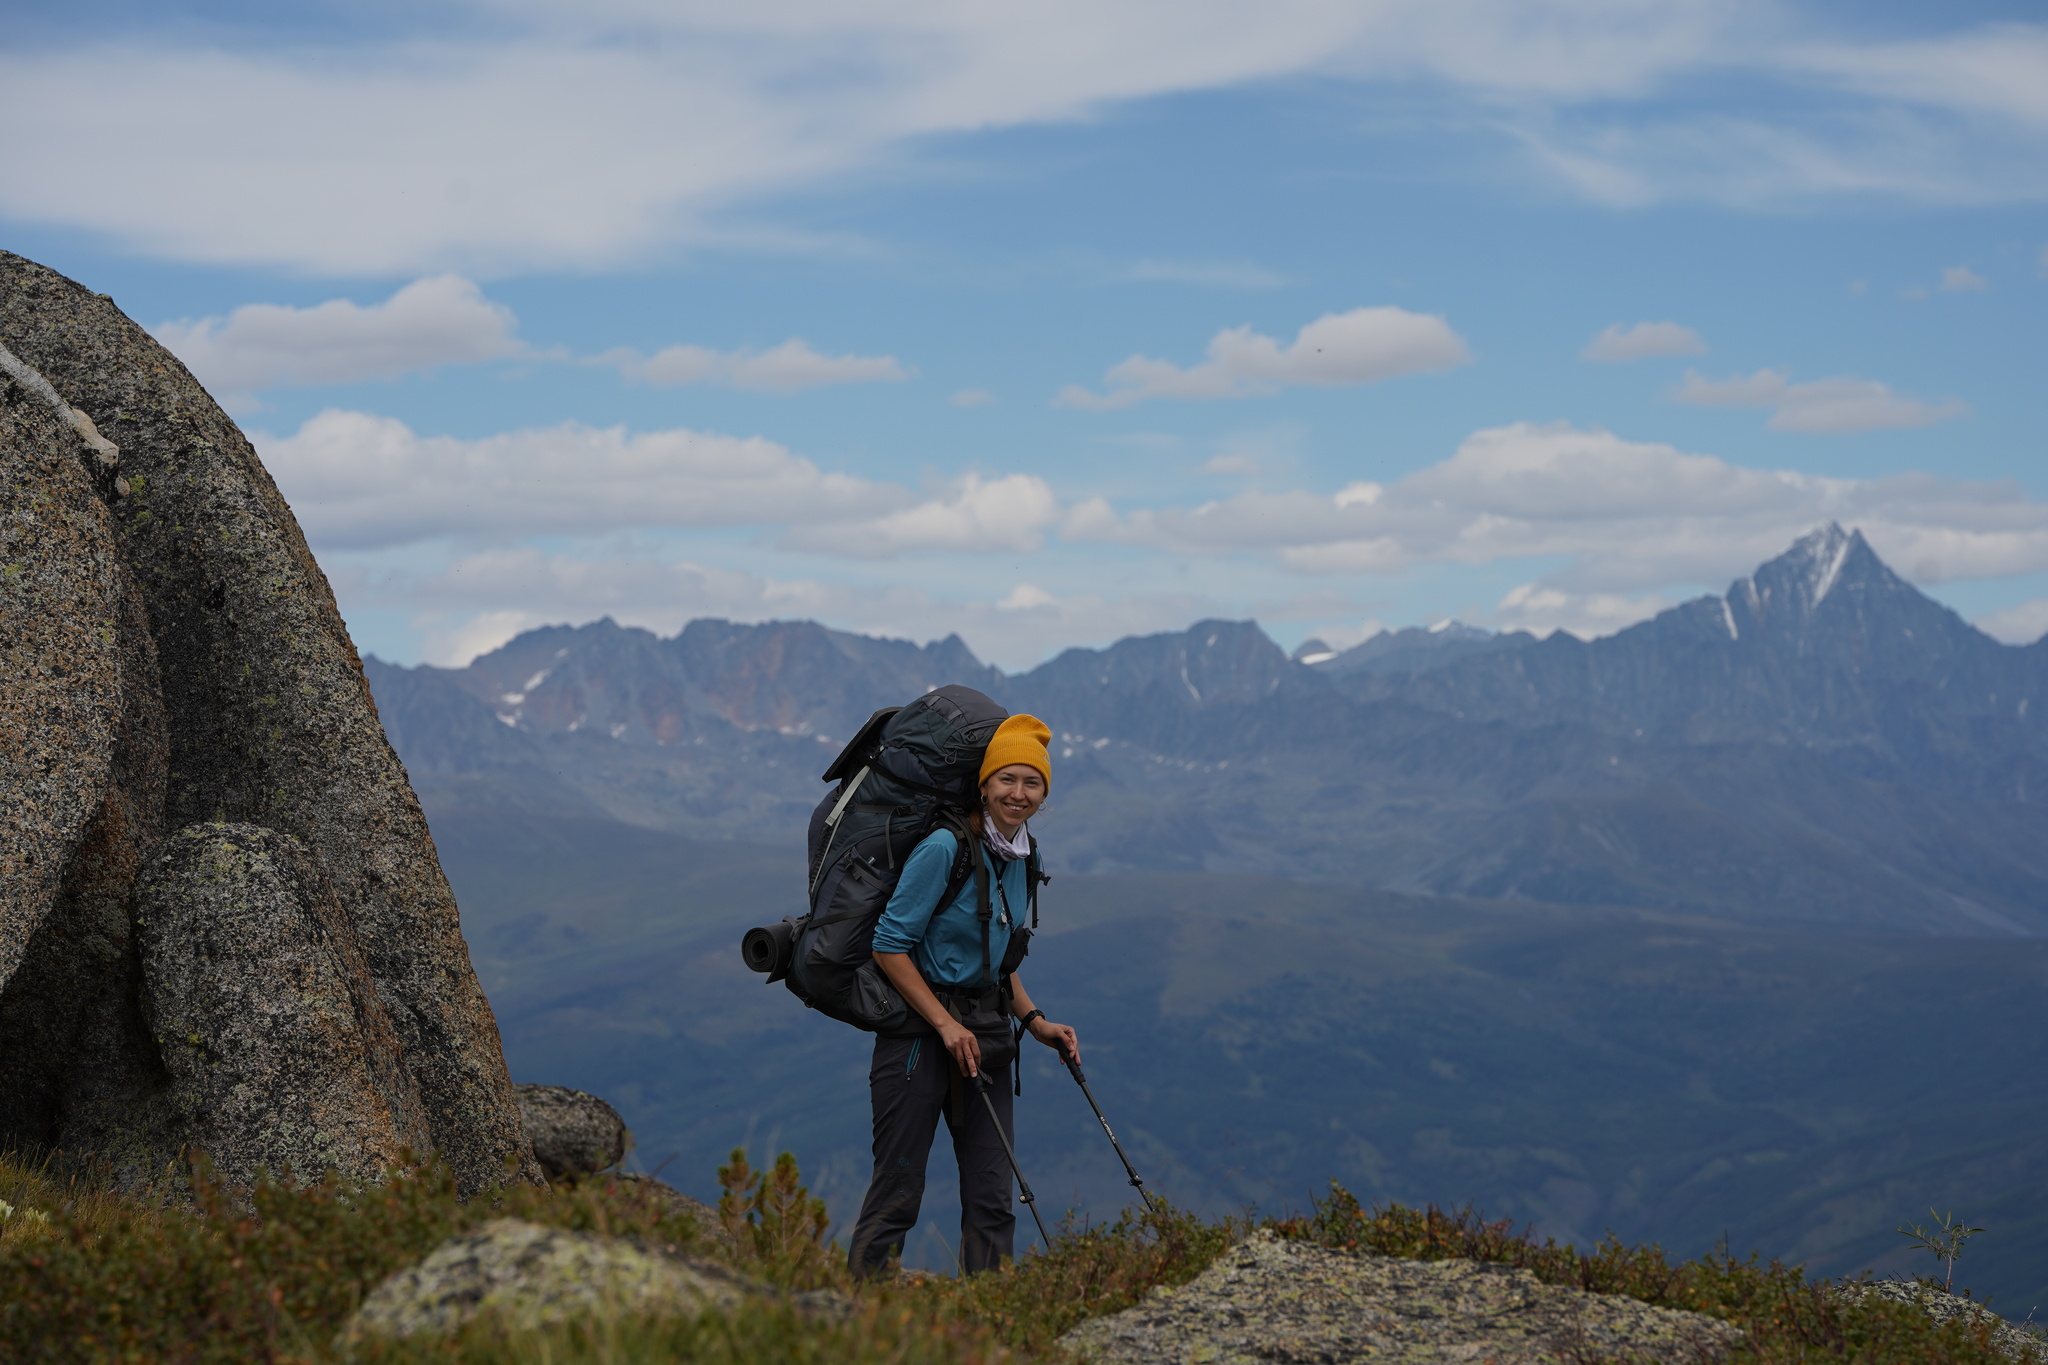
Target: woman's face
[1014,794]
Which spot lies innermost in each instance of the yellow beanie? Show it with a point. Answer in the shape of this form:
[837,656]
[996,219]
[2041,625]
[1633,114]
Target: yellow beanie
[1020,739]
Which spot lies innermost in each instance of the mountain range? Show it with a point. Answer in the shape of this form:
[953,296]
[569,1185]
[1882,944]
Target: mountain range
[1821,746]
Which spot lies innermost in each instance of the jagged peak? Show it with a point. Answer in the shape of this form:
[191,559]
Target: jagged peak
[1803,577]
[1818,557]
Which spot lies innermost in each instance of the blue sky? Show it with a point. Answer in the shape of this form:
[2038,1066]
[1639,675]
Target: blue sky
[1053,324]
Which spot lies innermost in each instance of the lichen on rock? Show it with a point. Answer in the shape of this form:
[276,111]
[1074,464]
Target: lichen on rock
[262,1008]
[528,1276]
[573,1132]
[1944,1306]
[61,584]
[1271,1299]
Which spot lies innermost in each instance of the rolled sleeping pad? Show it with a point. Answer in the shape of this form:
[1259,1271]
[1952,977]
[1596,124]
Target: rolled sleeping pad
[769,948]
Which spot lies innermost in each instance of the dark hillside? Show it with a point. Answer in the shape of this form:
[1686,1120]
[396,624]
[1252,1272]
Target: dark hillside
[1665,1076]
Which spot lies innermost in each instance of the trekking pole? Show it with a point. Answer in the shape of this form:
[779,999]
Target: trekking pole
[1074,1065]
[980,1082]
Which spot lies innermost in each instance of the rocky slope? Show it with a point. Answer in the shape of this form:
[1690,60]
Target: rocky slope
[1272,1299]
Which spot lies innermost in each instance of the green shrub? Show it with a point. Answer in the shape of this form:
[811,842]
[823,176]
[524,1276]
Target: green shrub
[776,1225]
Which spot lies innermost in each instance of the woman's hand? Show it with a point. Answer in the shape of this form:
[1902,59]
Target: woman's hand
[1058,1037]
[962,1045]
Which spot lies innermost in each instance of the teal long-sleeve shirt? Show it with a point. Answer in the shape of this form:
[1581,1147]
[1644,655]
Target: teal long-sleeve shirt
[945,942]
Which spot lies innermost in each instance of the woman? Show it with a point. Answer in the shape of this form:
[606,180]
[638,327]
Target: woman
[935,957]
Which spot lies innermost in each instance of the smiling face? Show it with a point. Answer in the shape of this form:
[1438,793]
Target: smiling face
[1013,795]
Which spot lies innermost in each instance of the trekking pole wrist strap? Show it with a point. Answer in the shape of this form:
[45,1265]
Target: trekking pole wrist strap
[1025,1022]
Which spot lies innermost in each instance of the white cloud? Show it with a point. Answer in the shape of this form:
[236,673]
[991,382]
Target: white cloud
[1957,278]
[972,398]
[479,601]
[1643,341]
[454,642]
[1541,608]
[1624,523]
[1026,597]
[1626,518]
[1843,403]
[2017,625]
[1232,464]
[787,368]
[550,135]
[445,320]
[357,480]
[1343,635]
[1337,350]
[977,515]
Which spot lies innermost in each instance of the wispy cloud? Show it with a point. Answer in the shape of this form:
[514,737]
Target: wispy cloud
[531,135]
[1219,274]
[1643,341]
[1959,278]
[1841,404]
[445,320]
[788,368]
[1337,350]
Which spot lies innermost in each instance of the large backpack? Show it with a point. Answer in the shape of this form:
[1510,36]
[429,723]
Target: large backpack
[911,770]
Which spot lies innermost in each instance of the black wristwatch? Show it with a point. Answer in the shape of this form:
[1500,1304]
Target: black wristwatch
[1024,1024]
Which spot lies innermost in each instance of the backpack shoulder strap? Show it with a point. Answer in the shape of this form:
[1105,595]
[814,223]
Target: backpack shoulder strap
[963,857]
[984,909]
[1033,878]
[969,862]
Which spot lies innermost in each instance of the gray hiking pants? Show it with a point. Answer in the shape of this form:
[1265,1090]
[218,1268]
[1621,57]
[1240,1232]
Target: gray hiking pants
[909,1083]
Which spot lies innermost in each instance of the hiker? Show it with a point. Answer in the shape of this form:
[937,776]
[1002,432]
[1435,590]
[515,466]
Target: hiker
[939,959]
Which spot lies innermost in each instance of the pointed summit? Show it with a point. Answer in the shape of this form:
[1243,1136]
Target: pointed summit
[1815,561]
[1788,591]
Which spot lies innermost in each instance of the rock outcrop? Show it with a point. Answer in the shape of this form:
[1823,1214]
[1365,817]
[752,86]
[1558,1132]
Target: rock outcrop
[173,657]
[1273,1299]
[574,1134]
[675,1204]
[263,1011]
[2021,1343]
[528,1276]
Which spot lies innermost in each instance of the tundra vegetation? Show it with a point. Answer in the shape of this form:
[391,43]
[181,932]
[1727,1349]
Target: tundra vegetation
[273,1273]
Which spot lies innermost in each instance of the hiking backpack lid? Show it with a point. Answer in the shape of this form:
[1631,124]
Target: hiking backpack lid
[905,774]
